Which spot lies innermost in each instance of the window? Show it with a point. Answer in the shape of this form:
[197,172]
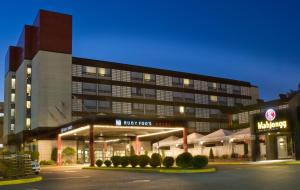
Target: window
[28,122]
[181,109]
[104,105]
[89,105]
[223,88]
[12,97]
[138,108]
[28,89]
[213,99]
[149,77]
[150,108]
[137,91]
[222,100]
[104,88]
[28,104]
[236,90]
[189,97]
[104,72]
[150,93]
[136,76]
[89,70]
[28,71]
[178,96]
[190,111]
[12,127]
[12,112]
[89,87]
[13,83]
[188,83]
[177,81]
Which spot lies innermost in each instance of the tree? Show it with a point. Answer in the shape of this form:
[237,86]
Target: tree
[211,154]
[68,154]
[54,154]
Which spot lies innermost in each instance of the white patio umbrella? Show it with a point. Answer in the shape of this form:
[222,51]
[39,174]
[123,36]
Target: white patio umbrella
[169,141]
[218,136]
[192,138]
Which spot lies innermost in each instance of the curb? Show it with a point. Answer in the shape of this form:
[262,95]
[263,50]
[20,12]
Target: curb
[21,181]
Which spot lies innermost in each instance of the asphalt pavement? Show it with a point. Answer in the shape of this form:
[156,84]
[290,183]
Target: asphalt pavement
[231,177]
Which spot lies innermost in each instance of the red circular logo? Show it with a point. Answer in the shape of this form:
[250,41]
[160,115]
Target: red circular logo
[270,114]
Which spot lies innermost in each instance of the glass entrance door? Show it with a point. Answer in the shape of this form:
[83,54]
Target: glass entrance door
[282,147]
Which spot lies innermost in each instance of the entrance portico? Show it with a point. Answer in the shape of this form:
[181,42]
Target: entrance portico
[101,139]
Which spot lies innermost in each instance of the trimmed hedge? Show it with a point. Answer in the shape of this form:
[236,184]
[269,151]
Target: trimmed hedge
[168,162]
[116,160]
[47,162]
[143,160]
[134,160]
[99,163]
[155,160]
[124,160]
[184,160]
[200,161]
[107,163]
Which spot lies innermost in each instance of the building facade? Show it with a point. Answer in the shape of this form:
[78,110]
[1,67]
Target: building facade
[46,87]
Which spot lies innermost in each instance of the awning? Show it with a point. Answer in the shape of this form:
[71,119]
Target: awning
[218,136]
[241,135]
[170,141]
[191,139]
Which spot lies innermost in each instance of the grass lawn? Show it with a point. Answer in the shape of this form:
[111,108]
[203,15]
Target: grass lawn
[155,170]
[20,181]
[229,163]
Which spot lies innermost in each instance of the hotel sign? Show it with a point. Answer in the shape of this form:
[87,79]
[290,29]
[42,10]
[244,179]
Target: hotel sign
[65,129]
[271,124]
[141,123]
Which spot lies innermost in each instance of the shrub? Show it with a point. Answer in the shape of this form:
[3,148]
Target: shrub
[134,160]
[200,161]
[54,154]
[107,163]
[3,168]
[234,155]
[124,160]
[184,160]
[143,160]
[168,162]
[211,154]
[116,160]
[68,154]
[47,162]
[99,163]
[225,156]
[155,160]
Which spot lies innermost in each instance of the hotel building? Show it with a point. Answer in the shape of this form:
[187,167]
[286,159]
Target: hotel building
[48,91]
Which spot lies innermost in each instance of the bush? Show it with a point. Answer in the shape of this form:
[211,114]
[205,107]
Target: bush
[143,160]
[47,162]
[155,160]
[168,162]
[34,155]
[54,154]
[116,160]
[3,168]
[184,160]
[225,156]
[200,161]
[99,163]
[134,160]
[124,160]
[68,154]
[211,154]
[234,155]
[107,163]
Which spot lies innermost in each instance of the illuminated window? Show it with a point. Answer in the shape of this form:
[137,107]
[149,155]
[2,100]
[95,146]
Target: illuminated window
[214,85]
[13,83]
[28,104]
[214,98]
[12,112]
[149,77]
[28,122]
[90,70]
[13,97]
[28,90]
[102,71]
[12,127]
[186,82]
[29,71]
[181,109]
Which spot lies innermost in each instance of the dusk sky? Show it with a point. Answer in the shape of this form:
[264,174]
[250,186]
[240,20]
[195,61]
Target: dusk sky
[255,41]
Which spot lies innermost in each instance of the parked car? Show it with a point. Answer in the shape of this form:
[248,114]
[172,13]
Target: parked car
[35,167]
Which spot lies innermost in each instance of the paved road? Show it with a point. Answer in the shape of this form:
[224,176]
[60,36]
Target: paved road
[267,177]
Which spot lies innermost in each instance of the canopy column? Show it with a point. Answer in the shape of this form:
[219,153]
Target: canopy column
[59,151]
[92,146]
[184,137]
